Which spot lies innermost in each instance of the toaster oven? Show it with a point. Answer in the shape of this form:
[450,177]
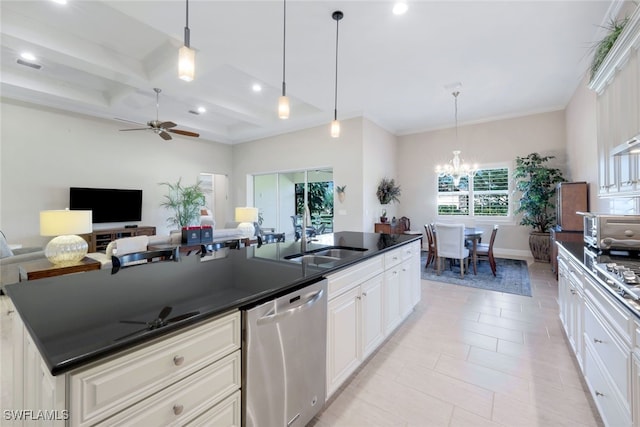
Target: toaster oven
[606,231]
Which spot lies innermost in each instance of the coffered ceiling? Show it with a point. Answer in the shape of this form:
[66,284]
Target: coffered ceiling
[103,58]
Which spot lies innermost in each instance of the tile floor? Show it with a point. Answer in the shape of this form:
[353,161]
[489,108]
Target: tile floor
[469,357]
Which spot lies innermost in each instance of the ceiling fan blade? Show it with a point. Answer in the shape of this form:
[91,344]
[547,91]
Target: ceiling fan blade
[183,132]
[125,130]
[164,135]
[166,125]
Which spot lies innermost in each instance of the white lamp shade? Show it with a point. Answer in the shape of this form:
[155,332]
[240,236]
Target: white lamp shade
[246,214]
[335,129]
[65,222]
[186,63]
[283,107]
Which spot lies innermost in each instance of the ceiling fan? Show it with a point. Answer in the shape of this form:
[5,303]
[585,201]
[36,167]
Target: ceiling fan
[161,128]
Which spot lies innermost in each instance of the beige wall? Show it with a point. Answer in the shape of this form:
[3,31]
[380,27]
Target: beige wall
[44,152]
[308,149]
[487,144]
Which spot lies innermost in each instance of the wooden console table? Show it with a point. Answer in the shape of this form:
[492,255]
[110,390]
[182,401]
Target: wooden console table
[41,268]
[99,239]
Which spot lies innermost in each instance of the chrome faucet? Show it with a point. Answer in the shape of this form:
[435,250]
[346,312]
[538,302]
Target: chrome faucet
[303,235]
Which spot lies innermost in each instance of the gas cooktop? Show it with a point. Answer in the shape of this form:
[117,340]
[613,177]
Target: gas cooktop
[620,270]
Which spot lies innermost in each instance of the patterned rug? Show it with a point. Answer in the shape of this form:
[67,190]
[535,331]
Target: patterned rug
[512,276]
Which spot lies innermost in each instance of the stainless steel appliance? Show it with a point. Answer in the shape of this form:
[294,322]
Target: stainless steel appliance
[605,231]
[284,357]
[618,269]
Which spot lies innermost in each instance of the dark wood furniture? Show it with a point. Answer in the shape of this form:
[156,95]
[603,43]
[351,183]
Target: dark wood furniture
[570,198]
[42,268]
[389,228]
[485,251]
[99,239]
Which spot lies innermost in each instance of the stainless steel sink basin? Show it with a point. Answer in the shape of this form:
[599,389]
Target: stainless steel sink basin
[325,255]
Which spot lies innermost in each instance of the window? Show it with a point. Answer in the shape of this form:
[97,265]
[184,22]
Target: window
[484,195]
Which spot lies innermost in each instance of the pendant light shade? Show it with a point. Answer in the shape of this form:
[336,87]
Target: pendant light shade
[283,101]
[186,55]
[335,124]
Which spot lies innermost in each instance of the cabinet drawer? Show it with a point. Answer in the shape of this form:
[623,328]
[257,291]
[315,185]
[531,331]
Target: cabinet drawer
[611,409]
[619,317]
[185,400]
[410,250]
[105,388]
[224,414]
[392,258]
[613,354]
[348,278]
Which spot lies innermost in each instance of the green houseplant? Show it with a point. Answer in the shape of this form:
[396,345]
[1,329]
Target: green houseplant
[602,47]
[184,202]
[388,191]
[536,182]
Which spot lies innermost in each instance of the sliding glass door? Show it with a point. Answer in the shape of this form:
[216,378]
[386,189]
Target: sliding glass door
[282,198]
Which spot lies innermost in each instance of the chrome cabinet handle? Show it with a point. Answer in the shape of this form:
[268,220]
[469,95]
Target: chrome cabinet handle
[273,317]
[177,409]
[573,292]
[597,341]
[178,360]
[599,394]
[358,297]
[364,294]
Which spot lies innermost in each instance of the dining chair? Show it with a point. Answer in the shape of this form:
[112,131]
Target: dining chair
[485,251]
[431,243]
[136,258]
[450,244]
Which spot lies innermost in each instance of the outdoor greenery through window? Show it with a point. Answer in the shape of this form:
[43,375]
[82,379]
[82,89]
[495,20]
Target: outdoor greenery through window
[488,189]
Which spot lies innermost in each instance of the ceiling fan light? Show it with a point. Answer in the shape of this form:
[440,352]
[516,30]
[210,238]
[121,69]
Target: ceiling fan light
[186,63]
[283,107]
[335,129]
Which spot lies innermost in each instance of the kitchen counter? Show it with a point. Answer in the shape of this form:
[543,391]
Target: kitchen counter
[576,250]
[78,318]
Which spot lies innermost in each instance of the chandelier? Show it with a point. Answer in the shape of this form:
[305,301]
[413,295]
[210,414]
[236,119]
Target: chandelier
[456,168]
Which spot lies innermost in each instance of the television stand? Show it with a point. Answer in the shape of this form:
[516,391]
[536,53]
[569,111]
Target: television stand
[131,226]
[99,239]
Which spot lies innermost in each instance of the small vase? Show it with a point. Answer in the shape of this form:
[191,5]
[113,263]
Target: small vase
[383,219]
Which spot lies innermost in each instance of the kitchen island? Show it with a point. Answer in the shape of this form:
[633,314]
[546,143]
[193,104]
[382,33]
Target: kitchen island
[77,322]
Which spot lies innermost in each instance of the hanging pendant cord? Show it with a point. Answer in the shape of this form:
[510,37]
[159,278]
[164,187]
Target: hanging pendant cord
[187,42]
[284,48]
[455,96]
[335,106]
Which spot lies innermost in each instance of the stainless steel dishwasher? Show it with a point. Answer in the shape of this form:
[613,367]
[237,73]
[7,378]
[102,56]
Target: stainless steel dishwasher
[284,358]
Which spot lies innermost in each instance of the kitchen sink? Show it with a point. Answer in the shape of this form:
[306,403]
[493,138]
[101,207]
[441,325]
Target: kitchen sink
[325,255]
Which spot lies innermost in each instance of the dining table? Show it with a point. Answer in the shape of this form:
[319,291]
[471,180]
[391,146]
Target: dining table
[473,234]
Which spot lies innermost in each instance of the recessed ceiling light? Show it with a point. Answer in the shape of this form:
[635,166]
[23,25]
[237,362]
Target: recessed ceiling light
[60,1]
[202,110]
[400,7]
[256,87]
[28,56]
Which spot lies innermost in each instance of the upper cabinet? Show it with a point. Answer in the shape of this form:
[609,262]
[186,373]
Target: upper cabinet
[617,83]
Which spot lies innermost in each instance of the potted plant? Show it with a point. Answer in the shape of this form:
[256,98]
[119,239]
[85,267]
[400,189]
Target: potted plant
[340,191]
[184,202]
[383,216]
[602,48]
[388,191]
[537,183]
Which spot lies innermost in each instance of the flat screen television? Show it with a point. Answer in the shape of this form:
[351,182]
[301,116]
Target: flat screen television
[107,204]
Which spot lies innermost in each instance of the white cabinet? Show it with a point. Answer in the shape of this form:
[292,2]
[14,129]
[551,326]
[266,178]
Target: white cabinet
[571,299]
[171,380]
[617,83]
[635,375]
[366,303]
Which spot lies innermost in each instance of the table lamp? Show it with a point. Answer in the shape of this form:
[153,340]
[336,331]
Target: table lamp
[66,247]
[246,216]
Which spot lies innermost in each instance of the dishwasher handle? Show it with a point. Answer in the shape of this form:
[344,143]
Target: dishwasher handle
[274,317]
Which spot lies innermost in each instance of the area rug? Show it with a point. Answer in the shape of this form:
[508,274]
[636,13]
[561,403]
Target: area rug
[512,276]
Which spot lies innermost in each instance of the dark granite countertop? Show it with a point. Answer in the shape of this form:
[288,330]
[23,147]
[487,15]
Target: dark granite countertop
[77,318]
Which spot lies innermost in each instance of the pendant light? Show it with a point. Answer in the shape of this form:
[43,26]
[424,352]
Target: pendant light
[283,101]
[335,124]
[456,168]
[186,55]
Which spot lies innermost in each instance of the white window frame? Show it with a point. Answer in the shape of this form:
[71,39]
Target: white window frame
[509,192]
